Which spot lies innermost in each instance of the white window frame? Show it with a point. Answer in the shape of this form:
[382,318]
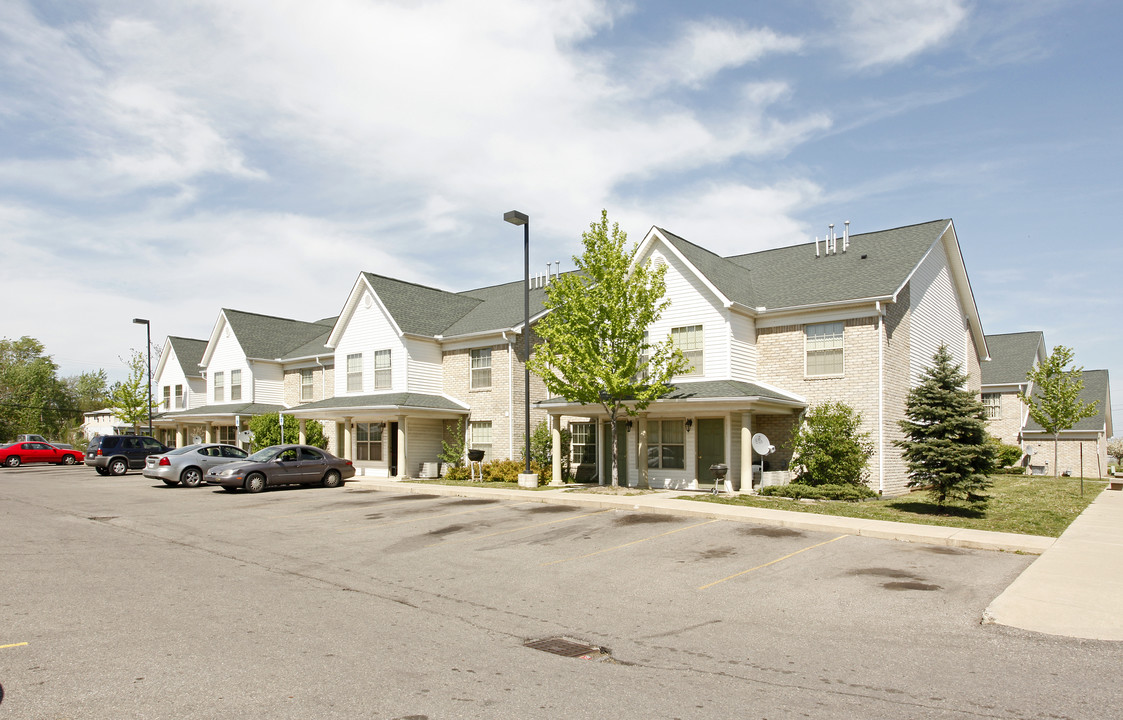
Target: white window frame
[307,388]
[820,339]
[583,443]
[219,381]
[480,437]
[691,340]
[657,432]
[167,397]
[368,441]
[383,373]
[992,402]
[235,385]
[179,397]
[480,362]
[355,372]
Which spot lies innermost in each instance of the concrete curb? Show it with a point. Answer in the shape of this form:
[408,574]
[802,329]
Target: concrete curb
[664,502]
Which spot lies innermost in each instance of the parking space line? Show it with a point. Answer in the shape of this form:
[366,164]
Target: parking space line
[2,647]
[773,562]
[524,527]
[428,517]
[634,542]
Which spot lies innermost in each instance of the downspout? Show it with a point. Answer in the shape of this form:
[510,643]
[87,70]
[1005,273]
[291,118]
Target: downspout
[880,398]
[323,379]
[510,392]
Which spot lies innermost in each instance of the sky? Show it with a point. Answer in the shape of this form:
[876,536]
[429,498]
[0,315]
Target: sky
[166,160]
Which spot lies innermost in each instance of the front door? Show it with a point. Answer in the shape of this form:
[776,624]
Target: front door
[711,449]
[621,453]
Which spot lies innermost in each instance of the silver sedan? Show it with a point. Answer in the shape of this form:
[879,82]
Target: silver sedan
[188,465]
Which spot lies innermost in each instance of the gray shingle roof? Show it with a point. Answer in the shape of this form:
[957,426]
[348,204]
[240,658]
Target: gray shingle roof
[1012,355]
[1095,389]
[267,337]
[719,389]
[384,400]
[189,353]
[230,409]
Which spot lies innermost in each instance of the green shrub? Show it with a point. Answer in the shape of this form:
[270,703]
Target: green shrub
[457,472]
[798,491]
[1005,455]
[829,448]
[509,470]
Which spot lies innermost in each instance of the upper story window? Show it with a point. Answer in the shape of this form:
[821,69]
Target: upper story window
[992,402]
[383,378]
[306,384]
[167,397]
[235,384]
[823,343]
[583,442]
[689,341]
[481,368]
[179,396]
[219,387]
[355,372]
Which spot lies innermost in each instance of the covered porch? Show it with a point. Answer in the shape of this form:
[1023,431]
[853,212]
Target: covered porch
[390,435]
[674,442]
[210,423]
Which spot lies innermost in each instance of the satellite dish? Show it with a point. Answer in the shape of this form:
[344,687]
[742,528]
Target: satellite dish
[761,444]
[1029,450]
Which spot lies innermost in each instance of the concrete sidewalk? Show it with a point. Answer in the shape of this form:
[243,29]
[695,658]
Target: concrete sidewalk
[1076,587]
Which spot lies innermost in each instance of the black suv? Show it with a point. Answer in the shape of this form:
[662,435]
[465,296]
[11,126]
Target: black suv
[115,454]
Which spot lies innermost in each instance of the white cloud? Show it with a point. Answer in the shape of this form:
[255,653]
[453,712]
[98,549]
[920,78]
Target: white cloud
[705,48]
[879,33]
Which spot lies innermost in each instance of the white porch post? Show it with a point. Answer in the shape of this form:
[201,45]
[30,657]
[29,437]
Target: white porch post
[179,435]
[641,451]
[403,456]
[555,450]
[746,453]
[208,432]
[345,449]
[303,434]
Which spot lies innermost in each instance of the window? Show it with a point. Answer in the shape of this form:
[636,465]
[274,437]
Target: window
[235,384]
[481,368]
[824,349]
[167,397]
[583,442]
[306,384]
[383,379]
[689,341]
[368,441]
[479,437]
[227,433]
[993,404]
[219,387]
[666,448]
[355,372]
[311,454]
[179,396]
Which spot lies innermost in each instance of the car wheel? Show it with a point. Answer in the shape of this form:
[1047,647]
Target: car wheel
[12,461]
[191,477]
[101,471]
[255,483]
[68,460]
[117,466]
[331,479]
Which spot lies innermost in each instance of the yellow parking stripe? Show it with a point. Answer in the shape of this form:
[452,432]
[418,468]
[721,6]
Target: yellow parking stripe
[12,645]
[524,527]
[426,517]
[773,562]
[634,542]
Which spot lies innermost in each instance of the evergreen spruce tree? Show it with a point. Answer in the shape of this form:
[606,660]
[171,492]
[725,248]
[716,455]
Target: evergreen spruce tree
[946,444]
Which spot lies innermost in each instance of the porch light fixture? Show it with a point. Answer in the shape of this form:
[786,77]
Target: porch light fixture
[148,338]
[517,218]
[689,424]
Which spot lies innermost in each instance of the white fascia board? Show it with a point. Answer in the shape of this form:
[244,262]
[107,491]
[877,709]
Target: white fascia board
[653,236]
[822,312]
[165,352]
[216,333]
[1002,387]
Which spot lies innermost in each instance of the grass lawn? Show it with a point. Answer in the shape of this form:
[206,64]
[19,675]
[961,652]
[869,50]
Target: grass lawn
[1030,505]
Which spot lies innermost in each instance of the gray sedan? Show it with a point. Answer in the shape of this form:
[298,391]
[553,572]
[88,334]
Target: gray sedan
[282,465]
[187,465]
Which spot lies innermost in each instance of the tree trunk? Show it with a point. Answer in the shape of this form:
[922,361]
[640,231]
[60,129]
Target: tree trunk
[1056,468]
[615,466]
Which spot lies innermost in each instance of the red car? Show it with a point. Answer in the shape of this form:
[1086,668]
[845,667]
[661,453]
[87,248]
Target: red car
[19,453]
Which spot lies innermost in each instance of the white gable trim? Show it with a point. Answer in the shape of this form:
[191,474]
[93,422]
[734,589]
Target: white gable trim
[360,287]
[654,236]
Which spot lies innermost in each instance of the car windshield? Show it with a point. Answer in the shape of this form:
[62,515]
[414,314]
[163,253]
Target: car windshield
[265,454]
[180,451]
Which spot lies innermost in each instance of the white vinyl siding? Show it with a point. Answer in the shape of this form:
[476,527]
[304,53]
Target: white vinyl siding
[824,345]
[425,367]
[368,328]
[481,368]
[742,348]
[268,382]
[936,315]
[694,304]
[355,373]
[383,374]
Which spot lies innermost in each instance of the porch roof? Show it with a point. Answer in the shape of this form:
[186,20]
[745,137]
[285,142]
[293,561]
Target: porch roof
[393,401]
[208,412]
[710,391]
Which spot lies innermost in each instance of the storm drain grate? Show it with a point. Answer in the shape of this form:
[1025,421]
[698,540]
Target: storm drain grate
[565,647]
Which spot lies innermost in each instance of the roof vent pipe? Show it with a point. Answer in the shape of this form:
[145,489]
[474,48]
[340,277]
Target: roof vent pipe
[557,269]
[816,246]
[846,236]
[833,240]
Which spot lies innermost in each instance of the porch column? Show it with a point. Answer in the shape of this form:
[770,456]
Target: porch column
[641,451]
[403,456]
[303,434]
[555,450]
[208,432]
[345,446]
[746,453]
[179,435]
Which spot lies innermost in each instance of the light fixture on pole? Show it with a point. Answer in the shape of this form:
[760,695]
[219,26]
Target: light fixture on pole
[148,338]
[517,218]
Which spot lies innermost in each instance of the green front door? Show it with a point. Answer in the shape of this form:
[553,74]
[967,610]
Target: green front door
[711,448]
[621,453]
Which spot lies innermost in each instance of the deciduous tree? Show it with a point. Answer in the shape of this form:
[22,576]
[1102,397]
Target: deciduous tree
[266,431]
[1055,402]
[129,398]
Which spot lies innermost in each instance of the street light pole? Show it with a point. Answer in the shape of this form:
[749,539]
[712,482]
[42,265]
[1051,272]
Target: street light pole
[148,338]
[517,218]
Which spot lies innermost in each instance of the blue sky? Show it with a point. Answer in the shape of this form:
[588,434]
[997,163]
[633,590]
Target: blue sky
[165,160]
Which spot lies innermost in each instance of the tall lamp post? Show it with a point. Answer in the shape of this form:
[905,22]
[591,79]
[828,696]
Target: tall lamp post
[148,337]
[517,218]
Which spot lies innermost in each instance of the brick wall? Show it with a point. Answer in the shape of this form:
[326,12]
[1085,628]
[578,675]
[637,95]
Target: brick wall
[292,385]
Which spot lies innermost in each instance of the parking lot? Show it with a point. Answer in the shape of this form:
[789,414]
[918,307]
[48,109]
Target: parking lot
[127,598]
